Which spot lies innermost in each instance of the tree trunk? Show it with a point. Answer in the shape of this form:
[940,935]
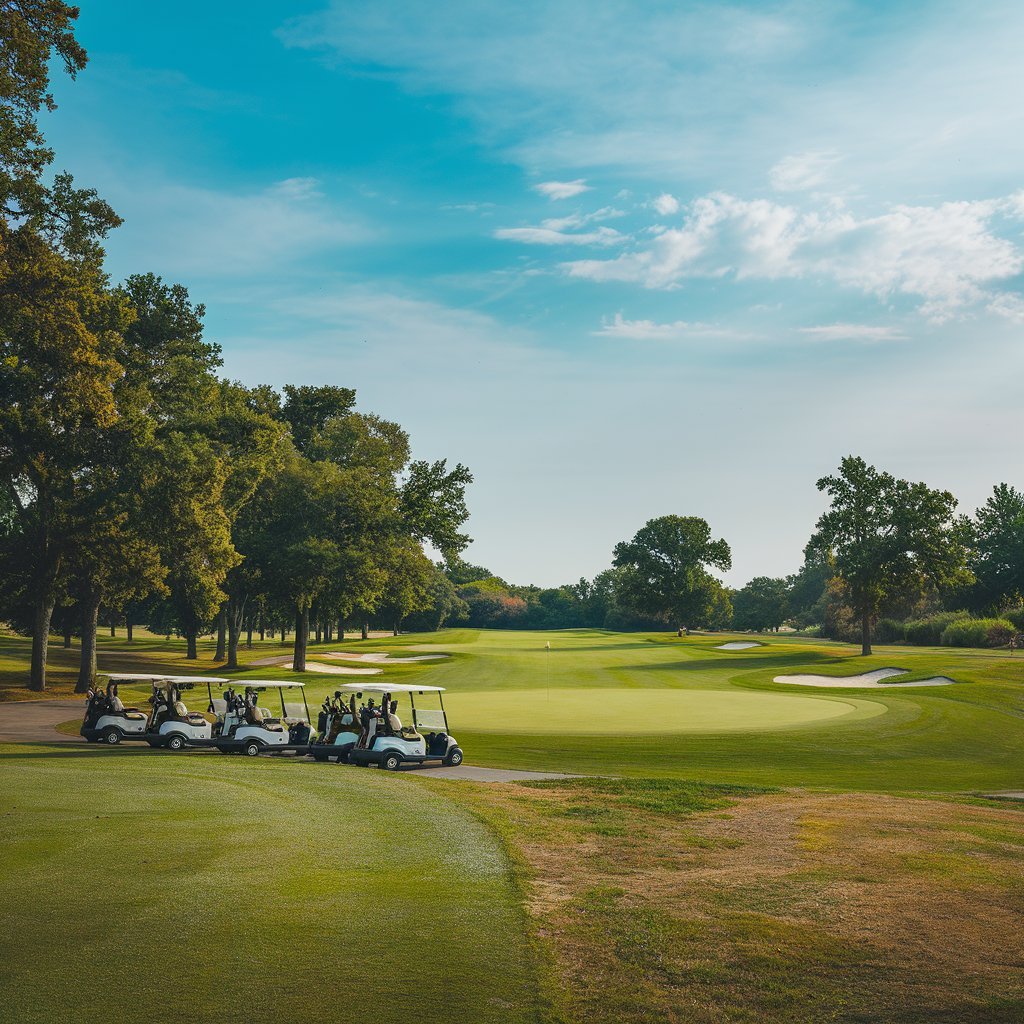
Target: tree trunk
[233,619]
[865,634]
[341,631]
[222,633]
[128,627]
[190,640]
[397,629]
[67,631]
[248,634]
[301,639]
[263,629]
[366,631]
[319,633]
[87,663]
[328,631]
[113,628]
[40,638]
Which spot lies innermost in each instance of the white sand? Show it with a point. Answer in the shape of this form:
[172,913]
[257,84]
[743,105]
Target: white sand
[738,645]
[865,681]
[312,666]
[347,656]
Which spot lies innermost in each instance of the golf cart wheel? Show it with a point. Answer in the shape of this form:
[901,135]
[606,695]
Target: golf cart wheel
[252,748]
[112,735]
[454,758]
[176,743]
[392,762]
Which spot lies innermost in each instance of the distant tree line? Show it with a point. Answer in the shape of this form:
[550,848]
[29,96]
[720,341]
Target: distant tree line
[136,484]
[889,557]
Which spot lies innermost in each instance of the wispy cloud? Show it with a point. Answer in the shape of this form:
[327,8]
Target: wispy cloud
[218,233]
[551,236]
[802,171]
[946,257]
[562,189]
[854,332]
[650,330]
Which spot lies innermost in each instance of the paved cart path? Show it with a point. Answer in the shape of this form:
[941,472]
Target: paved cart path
[35,721]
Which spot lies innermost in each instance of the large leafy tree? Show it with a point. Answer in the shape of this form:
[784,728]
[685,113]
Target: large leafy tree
[887,538]
[663,570]
[762,604]
[60,330]
[997,557]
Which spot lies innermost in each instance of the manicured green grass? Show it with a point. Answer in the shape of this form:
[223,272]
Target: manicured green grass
[949,738]
[209,888]
[648,712]
[661,706]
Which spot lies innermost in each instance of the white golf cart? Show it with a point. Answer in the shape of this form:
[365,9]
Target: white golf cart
[247,728]
[338,727]
[168,723]
[385,742]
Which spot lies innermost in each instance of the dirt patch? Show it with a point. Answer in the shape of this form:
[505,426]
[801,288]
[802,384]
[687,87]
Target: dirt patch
[782,907]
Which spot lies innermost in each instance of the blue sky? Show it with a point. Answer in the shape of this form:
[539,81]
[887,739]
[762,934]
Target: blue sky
[622,259]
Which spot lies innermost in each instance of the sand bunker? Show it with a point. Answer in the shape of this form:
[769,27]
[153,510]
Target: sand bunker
[865,681]
[385,658]
[312,666]
[738,645]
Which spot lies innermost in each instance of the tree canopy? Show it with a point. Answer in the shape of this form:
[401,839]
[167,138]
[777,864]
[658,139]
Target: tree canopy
[887,537]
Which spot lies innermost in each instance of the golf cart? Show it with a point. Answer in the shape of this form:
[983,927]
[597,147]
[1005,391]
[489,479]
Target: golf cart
[338,728]
[245,727]
[385,742]
[168,723]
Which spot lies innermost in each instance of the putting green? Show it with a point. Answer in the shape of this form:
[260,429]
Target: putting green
[651,711]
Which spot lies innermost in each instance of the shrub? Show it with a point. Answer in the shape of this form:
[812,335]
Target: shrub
[1016,616]
[929,630]
[888,630]
[977,633]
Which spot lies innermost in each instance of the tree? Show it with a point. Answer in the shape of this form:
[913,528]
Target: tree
[887,537]
[408,575]
[663,569]
[806,591]
[997,556]
[444,604]
[762,604]
[59,331]
[32,32]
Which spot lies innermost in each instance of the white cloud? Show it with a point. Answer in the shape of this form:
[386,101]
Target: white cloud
[619,327]
[562,189]
[665,204]
[853,332]
[802,171]
[579,220]
[1009,306]
[550,236]
[946,257]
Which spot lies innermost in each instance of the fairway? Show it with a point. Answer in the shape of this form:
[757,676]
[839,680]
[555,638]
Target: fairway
[275,890]
[643,712]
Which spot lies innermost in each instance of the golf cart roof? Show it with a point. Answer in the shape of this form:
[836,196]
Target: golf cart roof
[145,677]
[267,684]
[398,688]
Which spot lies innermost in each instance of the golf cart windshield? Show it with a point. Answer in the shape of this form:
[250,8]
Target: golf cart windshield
[292,697]
[423,719]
